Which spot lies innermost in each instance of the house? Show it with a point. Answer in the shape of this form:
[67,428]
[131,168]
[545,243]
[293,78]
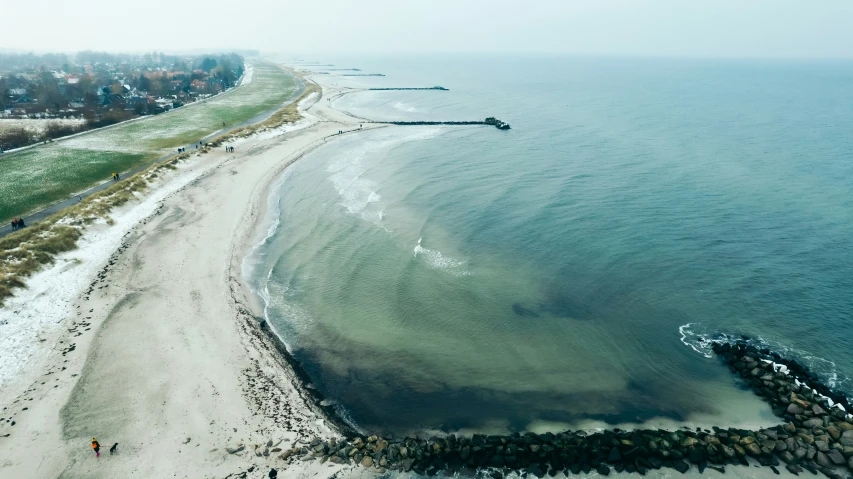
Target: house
[165,103]
[136,101]
[113,99]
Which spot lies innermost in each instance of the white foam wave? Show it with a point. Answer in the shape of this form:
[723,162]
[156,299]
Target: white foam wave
[702,341]
[434,259]
[256,255]
[403,107]
[359,195]
[697,342]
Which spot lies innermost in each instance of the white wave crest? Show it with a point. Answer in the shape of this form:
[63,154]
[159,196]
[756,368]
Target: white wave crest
[699,339]
[403,107]
[434,259]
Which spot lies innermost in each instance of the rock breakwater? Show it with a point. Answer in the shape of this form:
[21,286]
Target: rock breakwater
[816,435]
[491,121]
[439,88]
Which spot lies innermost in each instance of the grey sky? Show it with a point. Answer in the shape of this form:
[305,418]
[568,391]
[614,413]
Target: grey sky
[721,28]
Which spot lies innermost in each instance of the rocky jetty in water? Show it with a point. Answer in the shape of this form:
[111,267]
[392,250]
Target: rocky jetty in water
[816,435]
[497,123]
[500,125]
[439,88]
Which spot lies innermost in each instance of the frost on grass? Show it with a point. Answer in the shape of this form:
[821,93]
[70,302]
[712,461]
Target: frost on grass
[24,252]
[38,176]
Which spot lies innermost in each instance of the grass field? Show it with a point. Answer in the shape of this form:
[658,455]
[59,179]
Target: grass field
[39,176]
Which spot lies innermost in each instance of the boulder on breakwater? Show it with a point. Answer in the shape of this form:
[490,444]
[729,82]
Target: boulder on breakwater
[498,124]
[817,435]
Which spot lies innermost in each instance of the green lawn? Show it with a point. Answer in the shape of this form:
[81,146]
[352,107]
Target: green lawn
[35,178]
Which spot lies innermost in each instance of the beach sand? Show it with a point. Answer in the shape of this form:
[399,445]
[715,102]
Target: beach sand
[167,358]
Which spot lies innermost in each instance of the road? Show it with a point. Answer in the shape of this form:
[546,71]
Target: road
[54,208]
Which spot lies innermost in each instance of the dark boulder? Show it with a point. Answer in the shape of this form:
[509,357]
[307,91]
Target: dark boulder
[832,473]
[822,460]
[614,456]
[536,470]
[680,466]
[696,455]
[794,469]
[836,457]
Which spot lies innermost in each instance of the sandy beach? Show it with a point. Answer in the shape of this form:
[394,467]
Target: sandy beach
[145,337]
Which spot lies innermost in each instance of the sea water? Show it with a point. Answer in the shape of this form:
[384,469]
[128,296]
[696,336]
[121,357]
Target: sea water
[568,272]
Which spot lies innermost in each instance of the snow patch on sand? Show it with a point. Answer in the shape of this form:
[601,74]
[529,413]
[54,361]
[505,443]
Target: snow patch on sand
[31,320]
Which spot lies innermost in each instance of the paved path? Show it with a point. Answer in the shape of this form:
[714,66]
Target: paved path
[42,214]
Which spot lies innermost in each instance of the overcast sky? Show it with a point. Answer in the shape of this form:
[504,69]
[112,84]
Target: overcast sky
[715,28]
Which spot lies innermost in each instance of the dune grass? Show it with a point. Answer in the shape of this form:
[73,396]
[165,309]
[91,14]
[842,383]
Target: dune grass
[24,252]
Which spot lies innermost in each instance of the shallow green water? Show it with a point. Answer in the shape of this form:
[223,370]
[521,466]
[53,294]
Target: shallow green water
[567,272]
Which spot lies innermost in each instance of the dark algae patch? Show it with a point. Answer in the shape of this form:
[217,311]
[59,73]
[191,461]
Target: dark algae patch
[815,435]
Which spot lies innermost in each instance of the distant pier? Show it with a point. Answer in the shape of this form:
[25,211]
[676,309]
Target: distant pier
[439,88]
[492,121]
[364,75]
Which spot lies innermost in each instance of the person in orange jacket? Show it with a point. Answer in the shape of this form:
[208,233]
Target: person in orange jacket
[96,447]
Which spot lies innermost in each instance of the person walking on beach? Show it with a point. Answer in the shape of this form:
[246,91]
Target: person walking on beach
[14,224]
[96,447]
[21,223]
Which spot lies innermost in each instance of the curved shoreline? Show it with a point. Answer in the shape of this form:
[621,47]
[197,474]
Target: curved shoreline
[572,452]
[132,363]
[198,377]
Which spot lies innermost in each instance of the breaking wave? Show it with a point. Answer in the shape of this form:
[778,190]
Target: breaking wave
[434,259]
[701,339]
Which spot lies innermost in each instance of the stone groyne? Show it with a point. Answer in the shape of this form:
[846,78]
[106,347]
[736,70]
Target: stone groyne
[364,75]
[439,88]
[815,435]
[500,125]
